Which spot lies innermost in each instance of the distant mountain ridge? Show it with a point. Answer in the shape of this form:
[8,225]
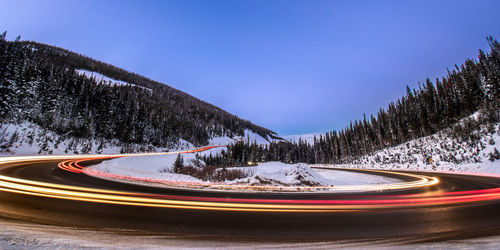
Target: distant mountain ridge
[42,87]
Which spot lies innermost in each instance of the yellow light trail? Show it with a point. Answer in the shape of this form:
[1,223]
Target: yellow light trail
[67,192]
[422,181]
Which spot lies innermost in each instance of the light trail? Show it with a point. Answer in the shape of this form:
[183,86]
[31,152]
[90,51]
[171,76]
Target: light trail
[288,204]
[75,167]
[227,204]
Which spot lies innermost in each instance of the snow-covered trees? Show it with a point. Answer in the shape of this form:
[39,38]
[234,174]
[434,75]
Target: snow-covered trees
[421,112]
[40,84]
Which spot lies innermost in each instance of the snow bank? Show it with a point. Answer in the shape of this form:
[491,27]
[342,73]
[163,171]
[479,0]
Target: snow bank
[485,167]
[281,174]
[148,167]
[342,178]
[30,139]
[160,167]
[158,170]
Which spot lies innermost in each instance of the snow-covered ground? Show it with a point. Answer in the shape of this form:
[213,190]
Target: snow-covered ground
[226,140]
[254,137]
[486,167]
[248,136]
[277,173]
[100,78]
[30,139]
[281,174]
[448,153]
[158,170]
[158,167]
[309,138]
[353,178]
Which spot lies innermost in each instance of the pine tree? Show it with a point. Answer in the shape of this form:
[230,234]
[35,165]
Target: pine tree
[178,164]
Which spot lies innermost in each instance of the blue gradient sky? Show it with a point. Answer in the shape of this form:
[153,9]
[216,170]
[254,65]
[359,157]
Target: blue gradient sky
[291,66]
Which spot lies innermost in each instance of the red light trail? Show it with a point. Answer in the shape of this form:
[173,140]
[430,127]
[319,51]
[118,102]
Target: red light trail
[332,202]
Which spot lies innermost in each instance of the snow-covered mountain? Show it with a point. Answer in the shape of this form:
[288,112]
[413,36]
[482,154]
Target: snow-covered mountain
[56,101]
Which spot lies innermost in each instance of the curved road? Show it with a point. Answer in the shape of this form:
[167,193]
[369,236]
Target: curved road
[459,206]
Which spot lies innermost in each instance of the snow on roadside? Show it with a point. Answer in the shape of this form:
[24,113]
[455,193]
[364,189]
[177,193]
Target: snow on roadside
[159,167]
[448,154]
[340,177]
[158,170]
[30,139]
[479,168]
[281,174]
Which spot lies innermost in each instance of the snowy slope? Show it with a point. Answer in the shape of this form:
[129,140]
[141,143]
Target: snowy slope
[226,140]
[124,107]
[107,80]
[30,139]
[248,136]
[309,138]
[448,152]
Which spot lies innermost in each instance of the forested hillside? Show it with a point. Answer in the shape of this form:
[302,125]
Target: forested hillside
[434,106]
[42,86]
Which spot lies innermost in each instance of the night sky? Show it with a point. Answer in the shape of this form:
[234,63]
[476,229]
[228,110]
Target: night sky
[294,67]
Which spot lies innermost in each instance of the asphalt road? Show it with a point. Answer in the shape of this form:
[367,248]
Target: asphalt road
[429,222]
